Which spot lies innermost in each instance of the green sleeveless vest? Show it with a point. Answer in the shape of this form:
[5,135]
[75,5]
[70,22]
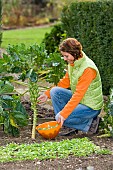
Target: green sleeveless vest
[93,97]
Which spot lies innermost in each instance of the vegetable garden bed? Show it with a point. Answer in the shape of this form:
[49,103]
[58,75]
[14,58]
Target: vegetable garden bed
[73,162]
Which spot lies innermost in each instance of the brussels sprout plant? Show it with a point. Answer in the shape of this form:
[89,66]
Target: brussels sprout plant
[27,63]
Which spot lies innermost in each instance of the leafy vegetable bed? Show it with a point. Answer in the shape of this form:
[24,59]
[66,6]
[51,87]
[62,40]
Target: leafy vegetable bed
[49,150]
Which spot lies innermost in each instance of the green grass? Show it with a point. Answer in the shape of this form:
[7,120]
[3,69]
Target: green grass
[29,36]
[50,150]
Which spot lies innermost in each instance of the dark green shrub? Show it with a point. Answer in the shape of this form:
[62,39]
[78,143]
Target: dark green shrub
[0,21]
[52,39]
[92,24]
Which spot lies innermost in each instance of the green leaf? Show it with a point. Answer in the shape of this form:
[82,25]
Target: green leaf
[20,118]
[12,122]
[1,109]
[3,63]
[32,75]
[6,57]
[6,87]
[7,97]
[20,107]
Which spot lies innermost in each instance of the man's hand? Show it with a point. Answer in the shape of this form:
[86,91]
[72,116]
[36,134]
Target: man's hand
[42,98]
[61,119]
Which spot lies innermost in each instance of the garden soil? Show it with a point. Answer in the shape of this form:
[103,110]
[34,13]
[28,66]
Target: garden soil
[92,162]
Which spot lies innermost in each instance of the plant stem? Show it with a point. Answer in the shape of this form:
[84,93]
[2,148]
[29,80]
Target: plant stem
[34,123]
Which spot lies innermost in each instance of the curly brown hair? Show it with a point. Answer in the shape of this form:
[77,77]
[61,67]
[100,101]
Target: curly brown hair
[72,46]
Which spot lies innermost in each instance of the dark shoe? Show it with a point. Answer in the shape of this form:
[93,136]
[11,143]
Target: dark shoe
[94,125]
[65,131]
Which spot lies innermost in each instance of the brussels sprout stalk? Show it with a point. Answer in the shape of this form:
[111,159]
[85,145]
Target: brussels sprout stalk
[34,123]
[33,89]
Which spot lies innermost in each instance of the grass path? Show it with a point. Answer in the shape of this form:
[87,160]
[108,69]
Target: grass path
[28,36]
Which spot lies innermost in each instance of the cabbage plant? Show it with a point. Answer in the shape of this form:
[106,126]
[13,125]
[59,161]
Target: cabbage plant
[12,113]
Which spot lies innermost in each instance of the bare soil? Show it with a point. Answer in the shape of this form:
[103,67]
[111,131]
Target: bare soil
[92,162]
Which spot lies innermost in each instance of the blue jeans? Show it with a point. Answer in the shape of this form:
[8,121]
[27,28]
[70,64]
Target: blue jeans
[81,117]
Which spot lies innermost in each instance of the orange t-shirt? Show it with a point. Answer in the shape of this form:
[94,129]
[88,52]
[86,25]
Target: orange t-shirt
[83,83]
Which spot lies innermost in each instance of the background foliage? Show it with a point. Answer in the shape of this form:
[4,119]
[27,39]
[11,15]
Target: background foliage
[0,21]
[92,24]
[31,12]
